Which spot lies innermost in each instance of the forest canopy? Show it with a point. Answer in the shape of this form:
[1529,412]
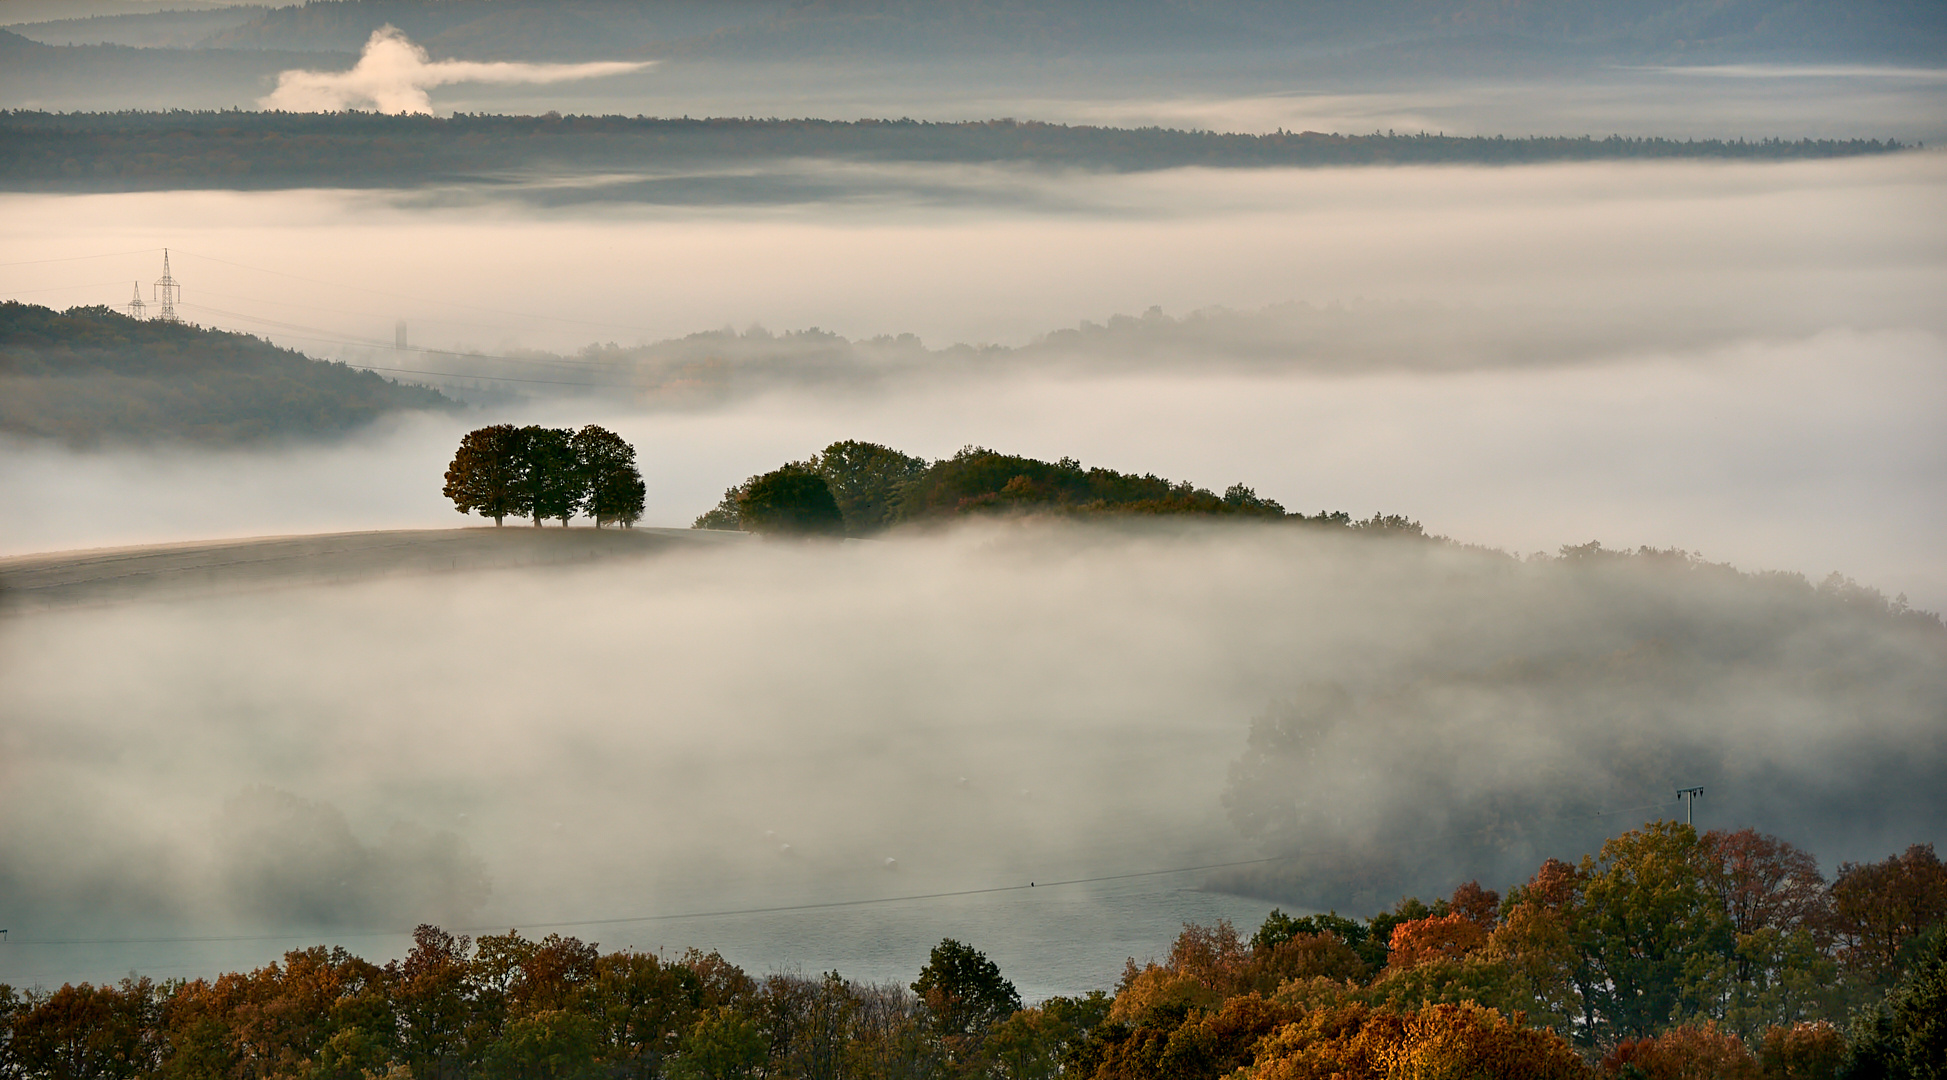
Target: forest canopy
[875,487]
[91,375]
[1667,954]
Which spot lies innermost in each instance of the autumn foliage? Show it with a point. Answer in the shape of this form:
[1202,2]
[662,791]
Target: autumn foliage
[1450,936]
[1355,1040]
[1684,1053]
[1666,956]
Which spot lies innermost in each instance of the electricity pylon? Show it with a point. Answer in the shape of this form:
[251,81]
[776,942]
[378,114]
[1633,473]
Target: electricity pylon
[167,292]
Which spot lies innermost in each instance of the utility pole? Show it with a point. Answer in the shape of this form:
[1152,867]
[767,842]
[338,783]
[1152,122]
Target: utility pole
[167,292]
[136,310]
[1688,796]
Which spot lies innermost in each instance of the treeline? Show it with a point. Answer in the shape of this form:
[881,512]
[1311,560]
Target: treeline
[1668,956]
[544,473]
[854,488]
[143,150]
[92,375]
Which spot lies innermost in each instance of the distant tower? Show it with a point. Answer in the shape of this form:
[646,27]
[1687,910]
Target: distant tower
[399,335]
[136,308]
[167,292]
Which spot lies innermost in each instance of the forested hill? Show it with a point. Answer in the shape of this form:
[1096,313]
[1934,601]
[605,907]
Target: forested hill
[90,376]
[160,150]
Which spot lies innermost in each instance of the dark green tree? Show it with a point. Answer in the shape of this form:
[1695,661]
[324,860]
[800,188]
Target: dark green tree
[965,995]
[551,485]
[1650,919]
[865,479]
[792,501]
[1242,500]
[725,515]
[612,487]
[723,1045]
[485,475]
[1905,1036]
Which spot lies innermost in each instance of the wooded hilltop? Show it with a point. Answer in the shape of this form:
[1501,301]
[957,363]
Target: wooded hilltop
[92,375]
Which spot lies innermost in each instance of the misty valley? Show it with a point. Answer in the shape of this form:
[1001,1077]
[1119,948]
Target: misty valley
[970,540]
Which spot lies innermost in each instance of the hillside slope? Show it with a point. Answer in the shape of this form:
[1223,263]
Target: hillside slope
[102,576]
[92,375]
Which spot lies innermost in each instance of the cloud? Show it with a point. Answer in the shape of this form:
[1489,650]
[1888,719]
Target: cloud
[394,74]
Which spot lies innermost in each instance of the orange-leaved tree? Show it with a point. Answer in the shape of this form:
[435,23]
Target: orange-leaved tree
[1435,1041]
[1683,1053]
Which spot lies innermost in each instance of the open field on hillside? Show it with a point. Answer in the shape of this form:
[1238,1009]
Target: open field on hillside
[114,575]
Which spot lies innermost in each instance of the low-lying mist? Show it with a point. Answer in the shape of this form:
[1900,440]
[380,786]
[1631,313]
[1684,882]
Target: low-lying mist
[770,724]
[1815,455]
[980,255]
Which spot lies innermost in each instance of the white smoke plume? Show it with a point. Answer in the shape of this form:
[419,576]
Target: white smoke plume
[394,74]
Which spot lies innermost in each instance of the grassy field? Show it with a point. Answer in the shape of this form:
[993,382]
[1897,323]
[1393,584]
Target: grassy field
[117,575]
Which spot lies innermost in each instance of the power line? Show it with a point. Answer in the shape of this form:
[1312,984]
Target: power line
[421,299]
[374,343]
[82,258]
[489,378]
[347,340]
[65,288]
[714,914]
[822,906]
[469,321]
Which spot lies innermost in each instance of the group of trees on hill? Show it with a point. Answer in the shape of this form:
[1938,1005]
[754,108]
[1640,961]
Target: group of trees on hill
[92,375]
[544,473]
[1668,956]
[854,488]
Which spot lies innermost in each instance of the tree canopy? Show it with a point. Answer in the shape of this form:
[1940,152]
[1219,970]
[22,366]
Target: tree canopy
[792,501]
[546,473]
[1545,983]
[486,472]
[965,993]
[875,488]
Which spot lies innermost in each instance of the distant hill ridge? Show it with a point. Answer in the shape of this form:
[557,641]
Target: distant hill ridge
[92,375]
[249,150]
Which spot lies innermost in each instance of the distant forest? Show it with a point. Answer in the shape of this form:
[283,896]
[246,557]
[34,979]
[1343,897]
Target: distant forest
[160,150]
[92,375]
[1666,956]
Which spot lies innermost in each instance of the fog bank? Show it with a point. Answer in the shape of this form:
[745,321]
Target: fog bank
[983,255]
[1813,456]
[769,724]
